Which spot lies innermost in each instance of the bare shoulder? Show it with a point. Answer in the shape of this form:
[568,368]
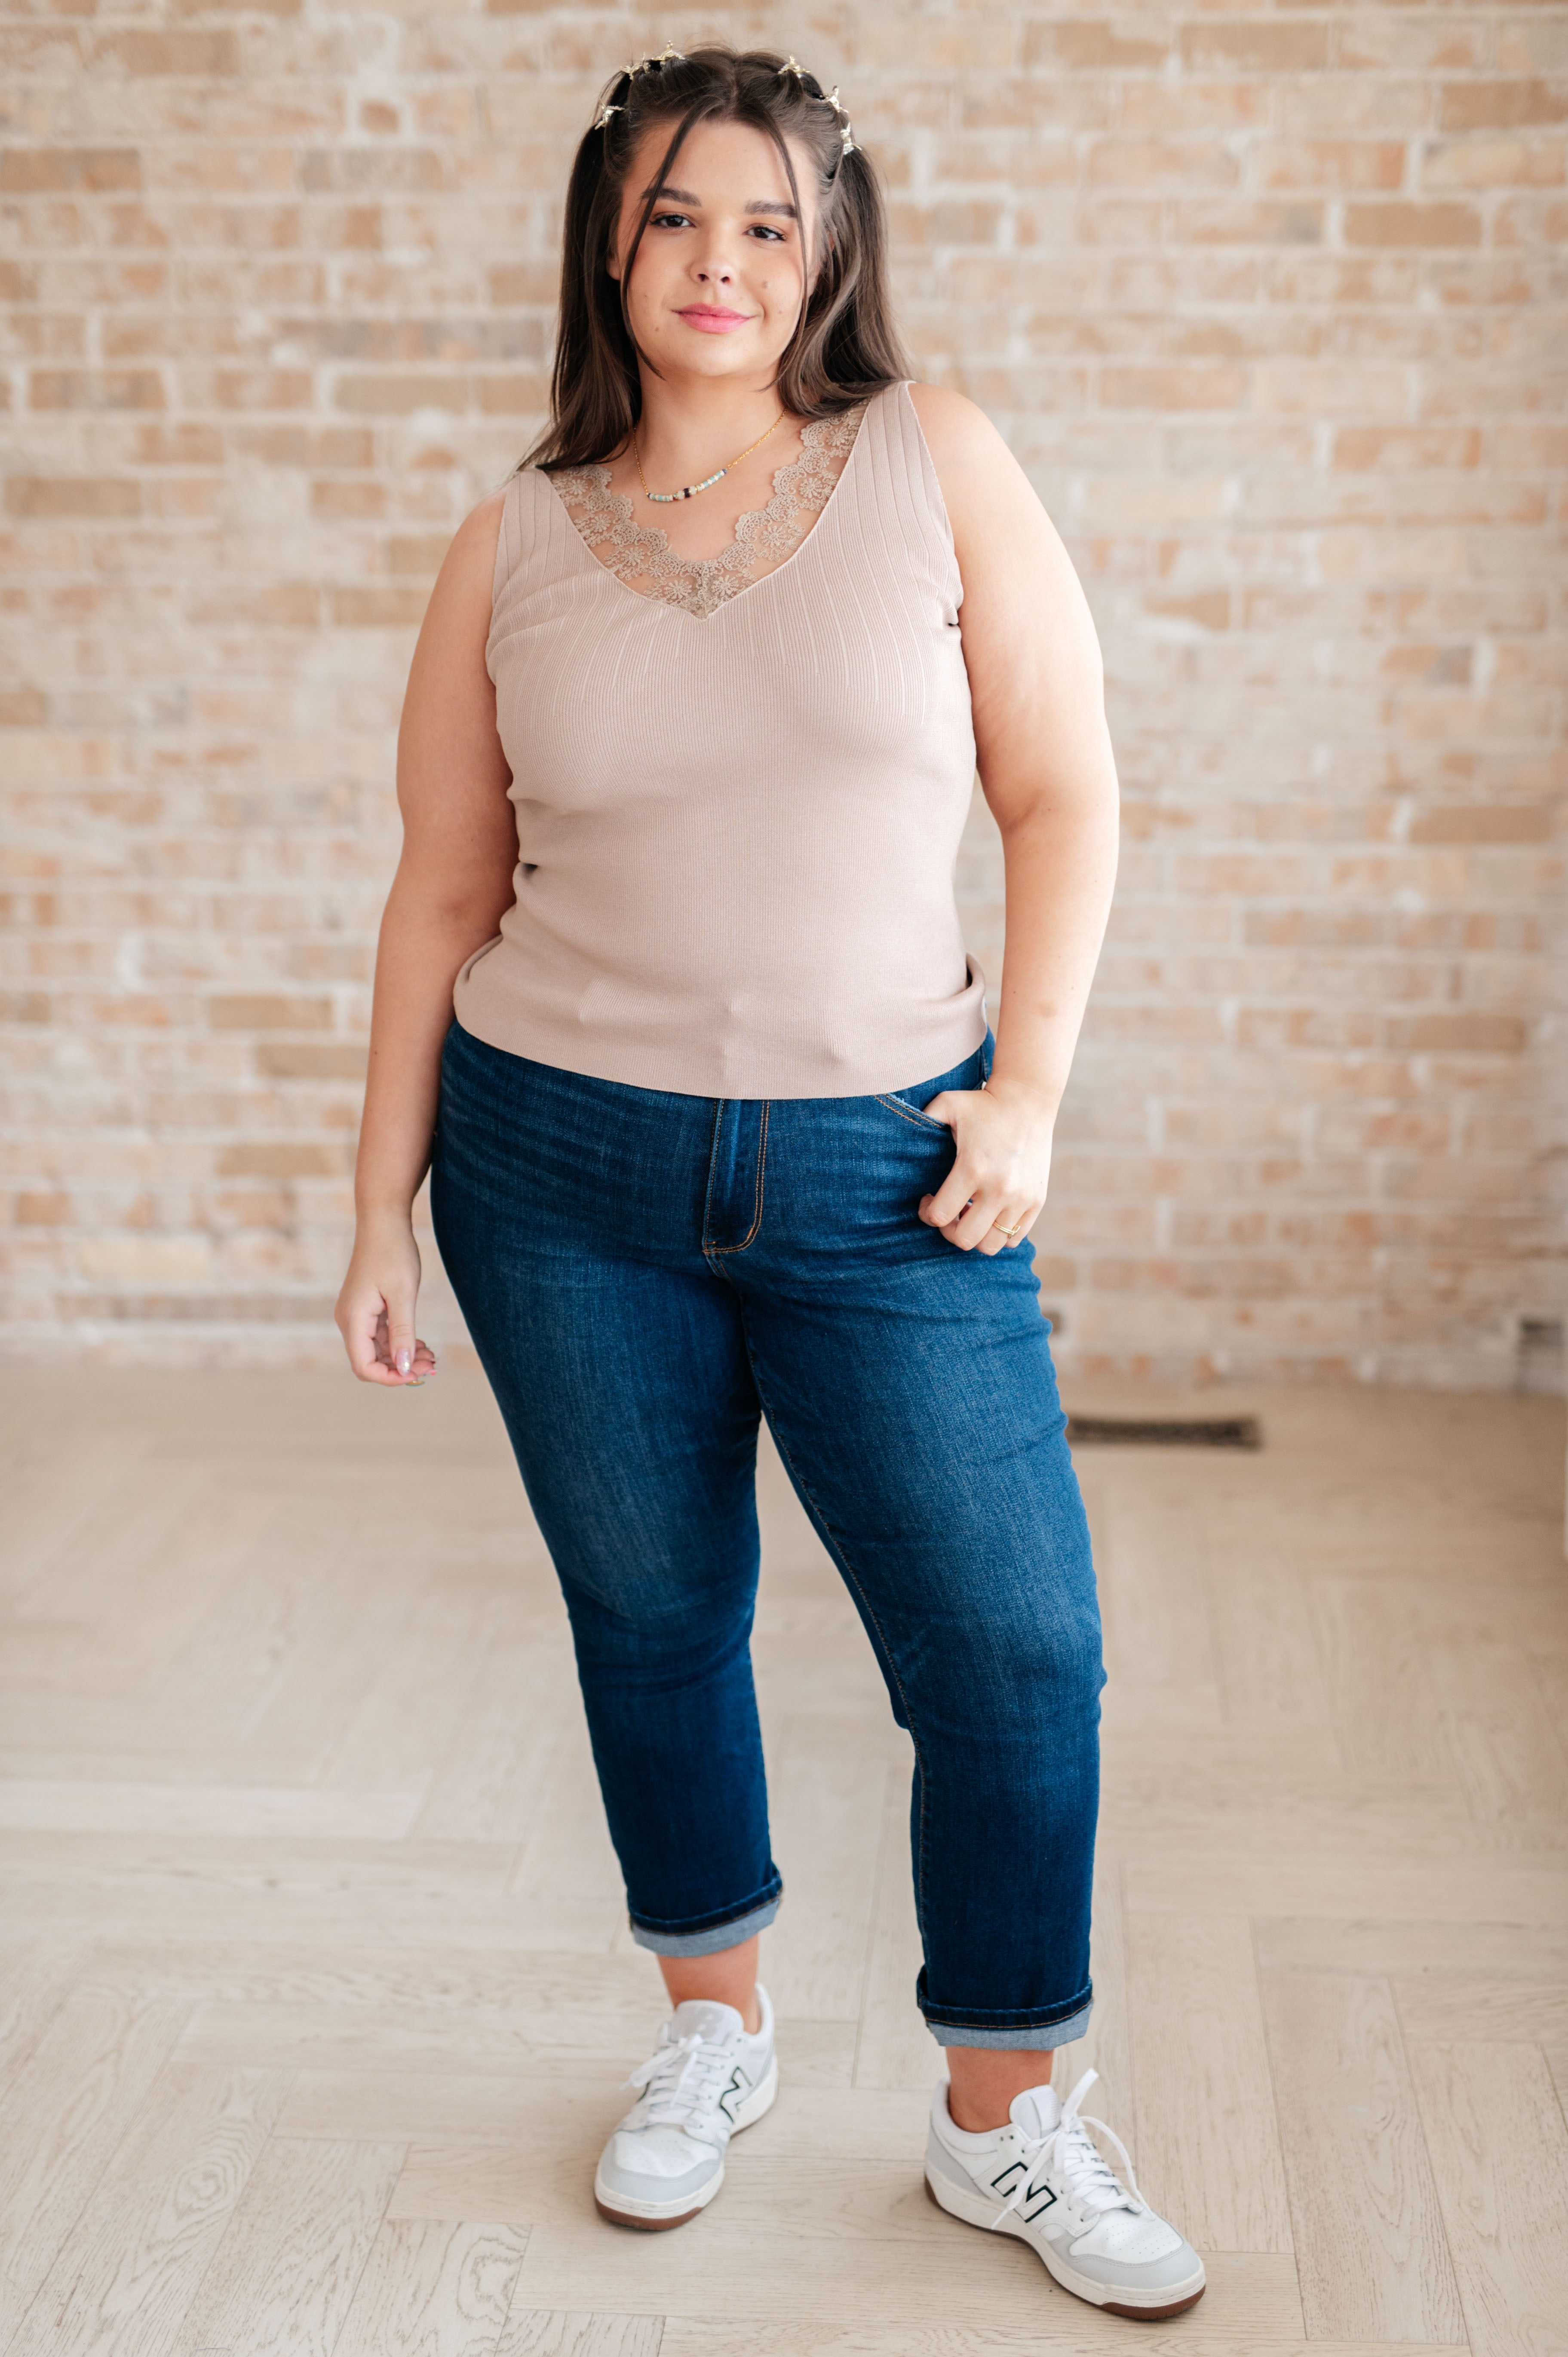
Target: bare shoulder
[472,554]
[960,437]
[459,610]
[957,430]
[486,518]
[978,473]
[1017,576]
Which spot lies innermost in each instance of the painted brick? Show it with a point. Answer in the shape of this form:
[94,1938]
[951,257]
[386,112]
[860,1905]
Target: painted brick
[1268,303]
[1484,105]
[1481,1035]
[1331,164]
[85,171]
[1403,224]
[192,54]
[1267,45]
[1493,164]
[1167,163]
[310,1061]
[1093,45]
[1159,104]
[1483,823]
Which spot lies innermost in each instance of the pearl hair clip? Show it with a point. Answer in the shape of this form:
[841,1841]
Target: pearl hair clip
[813,89]
[668,55]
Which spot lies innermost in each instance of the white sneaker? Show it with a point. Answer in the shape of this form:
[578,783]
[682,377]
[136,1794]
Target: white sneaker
[706,2079]
[1042,2179]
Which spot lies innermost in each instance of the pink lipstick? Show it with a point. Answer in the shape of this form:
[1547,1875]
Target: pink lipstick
[712,320]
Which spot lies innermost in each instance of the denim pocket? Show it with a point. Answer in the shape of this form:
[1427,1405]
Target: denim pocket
[907,1112]
[972,1073]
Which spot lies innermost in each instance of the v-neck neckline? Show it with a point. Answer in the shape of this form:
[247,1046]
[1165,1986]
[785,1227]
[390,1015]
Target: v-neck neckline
[659,541]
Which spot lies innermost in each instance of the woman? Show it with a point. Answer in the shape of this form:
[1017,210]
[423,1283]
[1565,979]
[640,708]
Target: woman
[671,996]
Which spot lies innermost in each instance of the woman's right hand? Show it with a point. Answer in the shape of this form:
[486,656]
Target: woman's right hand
[375,1309]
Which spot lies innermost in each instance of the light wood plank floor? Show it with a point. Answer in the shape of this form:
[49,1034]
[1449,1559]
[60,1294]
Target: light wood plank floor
[316,1994]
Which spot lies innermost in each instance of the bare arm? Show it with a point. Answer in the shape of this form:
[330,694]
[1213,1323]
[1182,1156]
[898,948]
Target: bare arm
[1048,772]
[454,883]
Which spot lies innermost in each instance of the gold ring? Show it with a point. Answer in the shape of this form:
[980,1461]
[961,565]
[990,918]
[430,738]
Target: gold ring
[1007,1232]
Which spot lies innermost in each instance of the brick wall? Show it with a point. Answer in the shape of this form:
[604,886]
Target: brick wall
[1264,298]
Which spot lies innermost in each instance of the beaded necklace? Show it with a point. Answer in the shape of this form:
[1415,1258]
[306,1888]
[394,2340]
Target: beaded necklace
[691,491]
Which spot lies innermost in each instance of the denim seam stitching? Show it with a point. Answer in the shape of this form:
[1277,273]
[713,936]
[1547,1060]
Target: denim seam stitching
[716,1920]
[713,1167]
[1014,2019]
[853,1577]
[913,1113]
[750,1236]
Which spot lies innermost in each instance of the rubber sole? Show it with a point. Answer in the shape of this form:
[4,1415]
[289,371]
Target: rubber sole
[652,2225]
[653,2217]
[1084,2287]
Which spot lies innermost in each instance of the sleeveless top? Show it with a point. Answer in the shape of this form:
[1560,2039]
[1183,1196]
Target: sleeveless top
[739,791]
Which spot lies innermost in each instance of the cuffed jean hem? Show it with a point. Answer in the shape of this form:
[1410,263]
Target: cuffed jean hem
[1006,2030]
[713,1937]
[1059,2033]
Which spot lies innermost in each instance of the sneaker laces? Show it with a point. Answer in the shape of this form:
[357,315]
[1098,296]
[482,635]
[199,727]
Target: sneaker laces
[1070,2149]
[682,2077]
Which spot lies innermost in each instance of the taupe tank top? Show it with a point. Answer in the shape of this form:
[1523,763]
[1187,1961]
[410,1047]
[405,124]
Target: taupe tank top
[739,791]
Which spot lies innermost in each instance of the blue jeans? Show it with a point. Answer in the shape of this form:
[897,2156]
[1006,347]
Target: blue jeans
[645,1275]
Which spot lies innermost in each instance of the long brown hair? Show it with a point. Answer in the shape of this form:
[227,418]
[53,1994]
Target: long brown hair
[844,345]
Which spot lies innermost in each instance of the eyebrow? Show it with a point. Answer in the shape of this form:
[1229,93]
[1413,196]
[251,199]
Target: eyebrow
[757,204]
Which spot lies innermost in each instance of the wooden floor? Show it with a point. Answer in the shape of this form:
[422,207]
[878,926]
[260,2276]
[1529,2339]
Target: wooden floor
[316,1993]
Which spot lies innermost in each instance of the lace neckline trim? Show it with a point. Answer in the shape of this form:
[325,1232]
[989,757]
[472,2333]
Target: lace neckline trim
[641,556]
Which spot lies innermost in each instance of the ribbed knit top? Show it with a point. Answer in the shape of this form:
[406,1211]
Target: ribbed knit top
[737,827]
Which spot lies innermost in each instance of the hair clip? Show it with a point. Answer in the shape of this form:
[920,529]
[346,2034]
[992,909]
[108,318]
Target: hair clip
[668,55]
[813,89]
[604,115]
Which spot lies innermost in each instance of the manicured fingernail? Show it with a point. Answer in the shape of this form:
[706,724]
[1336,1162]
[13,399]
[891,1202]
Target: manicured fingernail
[404,1362]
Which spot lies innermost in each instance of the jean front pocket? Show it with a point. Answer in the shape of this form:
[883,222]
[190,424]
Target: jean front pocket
[907,1112]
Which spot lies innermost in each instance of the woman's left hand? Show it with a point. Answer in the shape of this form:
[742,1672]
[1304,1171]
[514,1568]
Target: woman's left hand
[1000,1170]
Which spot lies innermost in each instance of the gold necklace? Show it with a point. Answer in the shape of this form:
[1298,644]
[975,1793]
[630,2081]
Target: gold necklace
[692,490]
